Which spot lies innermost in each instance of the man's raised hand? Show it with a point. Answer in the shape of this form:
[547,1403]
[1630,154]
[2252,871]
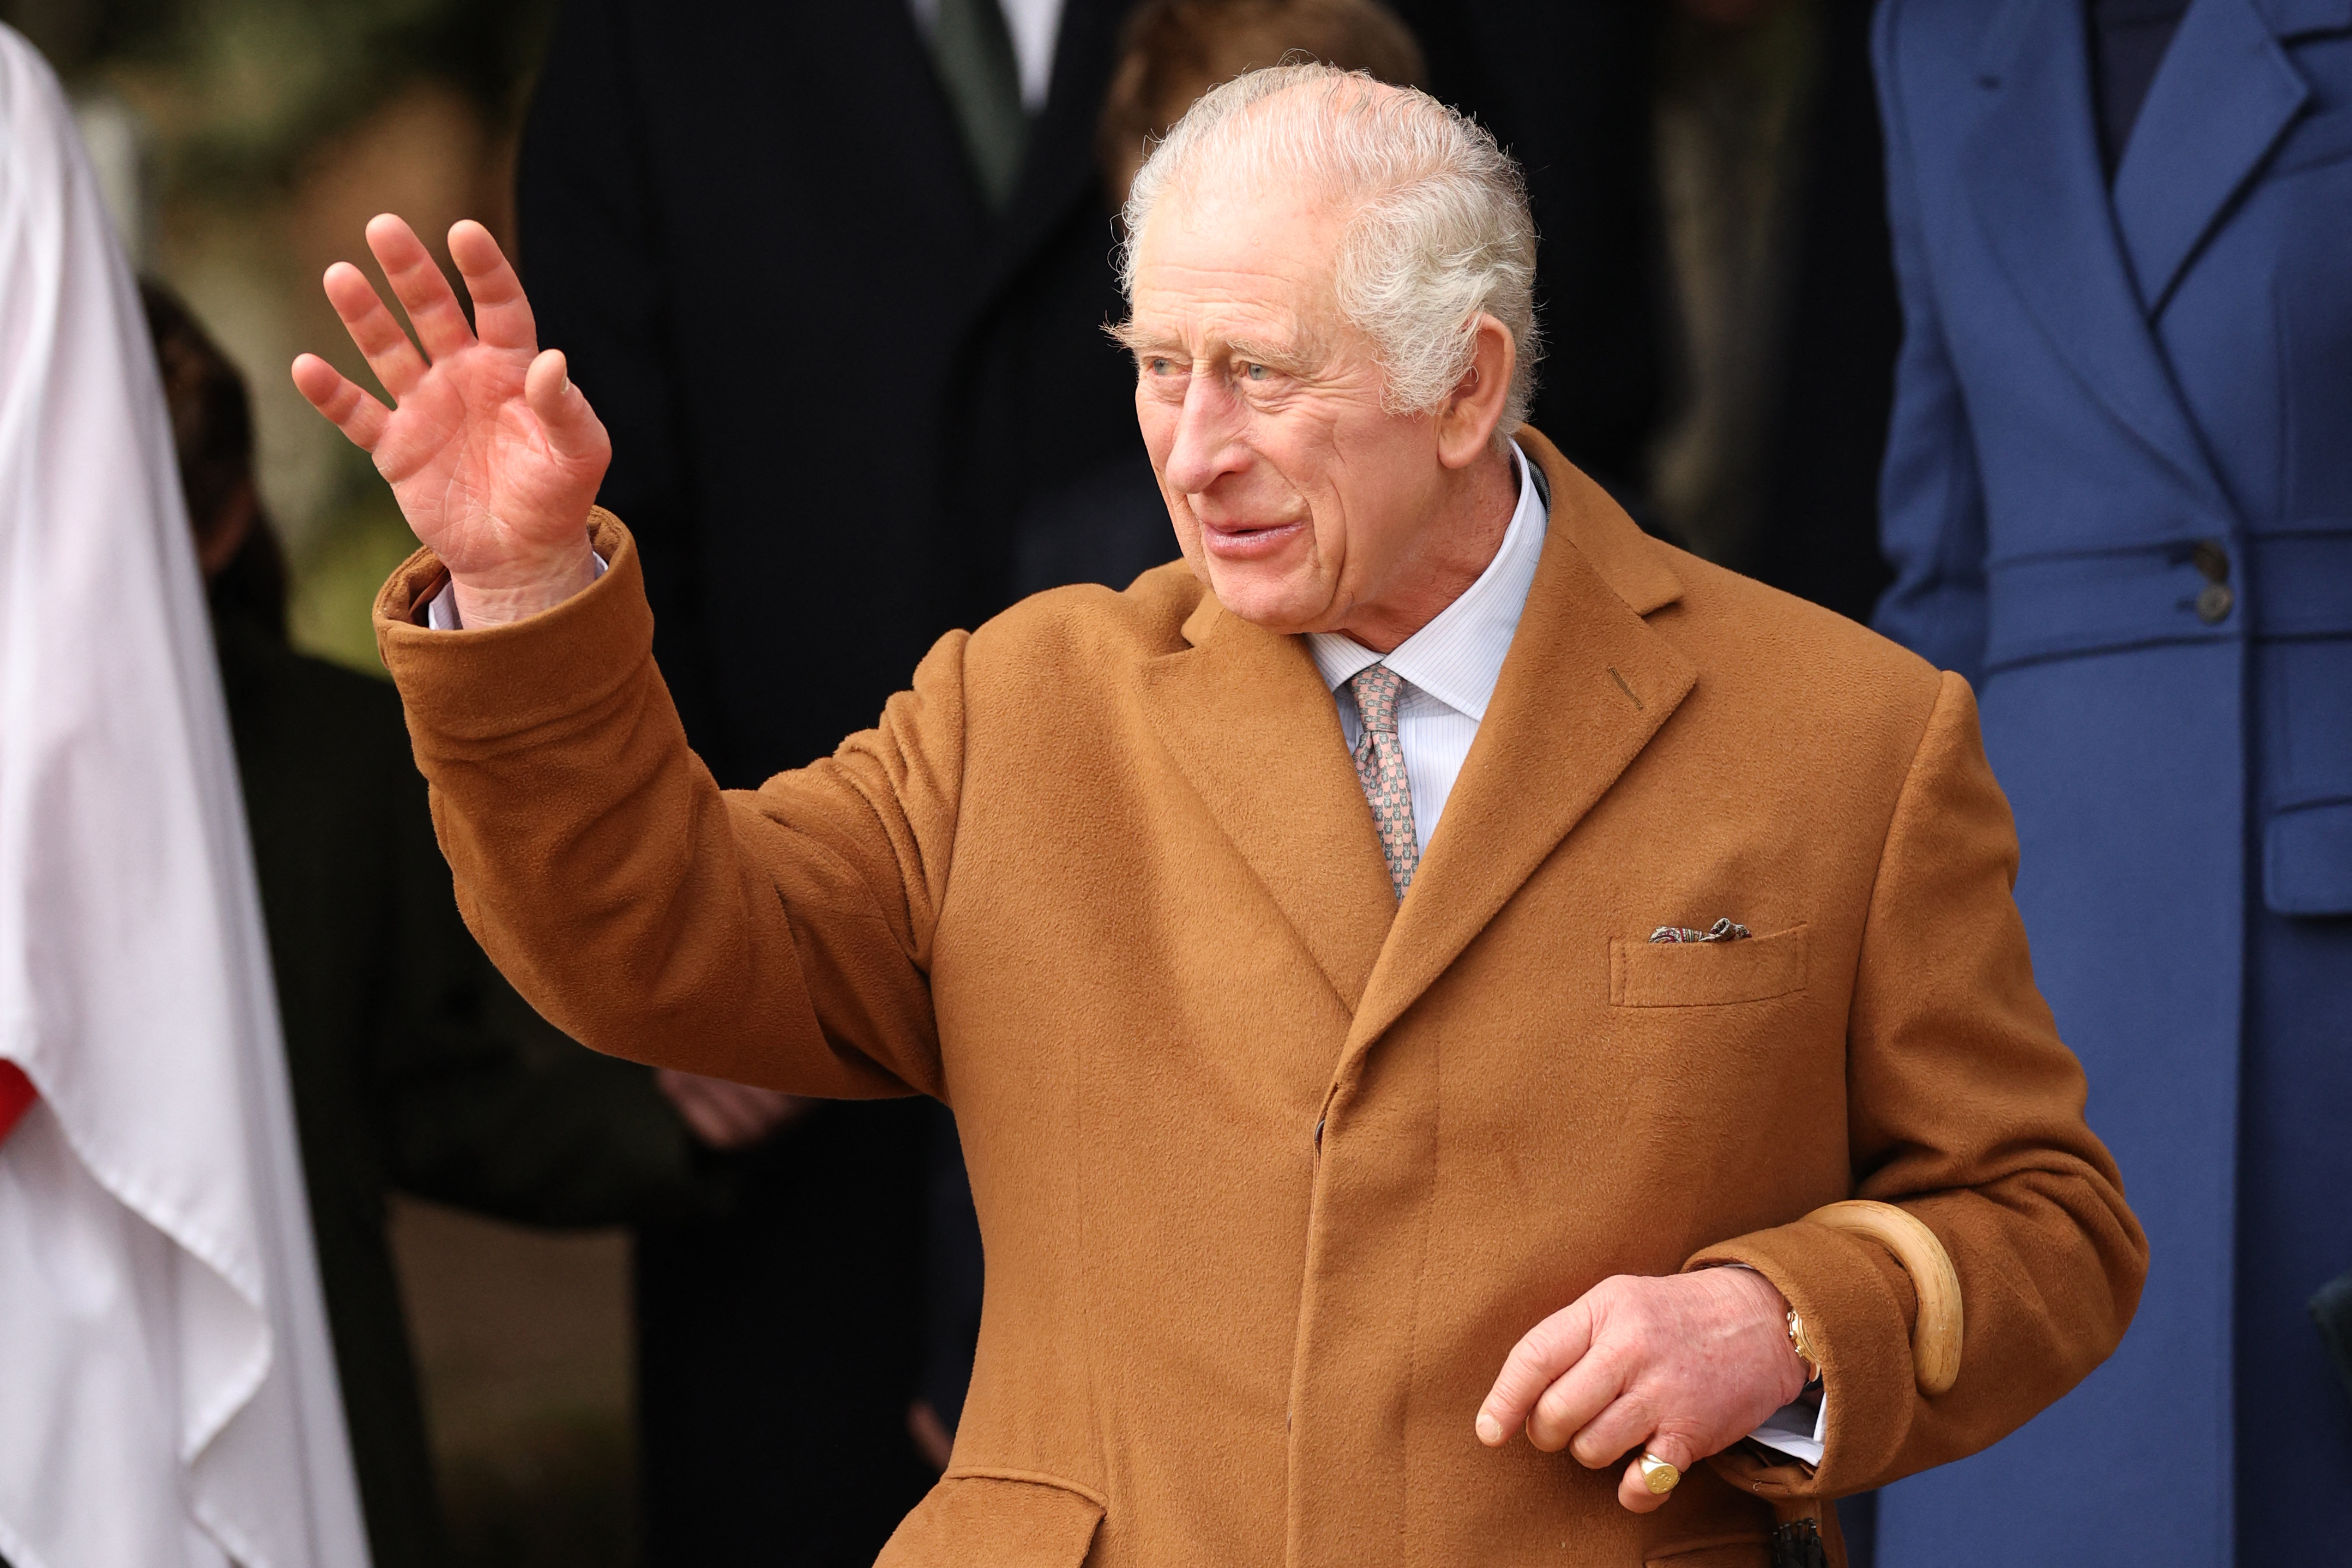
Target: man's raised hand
[493,453]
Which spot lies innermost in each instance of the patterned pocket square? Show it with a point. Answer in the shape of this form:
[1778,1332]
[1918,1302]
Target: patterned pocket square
[1726,930]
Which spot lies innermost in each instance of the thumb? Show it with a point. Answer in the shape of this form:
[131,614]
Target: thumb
[571,427]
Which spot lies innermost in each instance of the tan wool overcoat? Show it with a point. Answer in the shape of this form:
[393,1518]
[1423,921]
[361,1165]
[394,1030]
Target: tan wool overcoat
[1272,1170]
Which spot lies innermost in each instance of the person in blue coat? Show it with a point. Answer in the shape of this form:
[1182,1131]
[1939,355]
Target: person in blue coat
[2118,498]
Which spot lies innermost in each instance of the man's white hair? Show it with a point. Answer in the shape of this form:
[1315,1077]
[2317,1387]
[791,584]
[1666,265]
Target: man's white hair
[1437,229]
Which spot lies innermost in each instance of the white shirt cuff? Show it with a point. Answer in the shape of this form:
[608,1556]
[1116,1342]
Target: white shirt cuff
[441,615]
[1799,1428]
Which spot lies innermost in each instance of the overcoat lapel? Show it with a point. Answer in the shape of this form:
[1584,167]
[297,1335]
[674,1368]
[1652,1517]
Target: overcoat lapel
[2224,93]
[1255,733]
[1585,686]
[1253,730]
[2031,170]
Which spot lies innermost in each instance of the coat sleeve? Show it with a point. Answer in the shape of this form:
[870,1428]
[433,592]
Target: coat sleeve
[482,1103]
[1964,1107]
[780,937]
[1930,503]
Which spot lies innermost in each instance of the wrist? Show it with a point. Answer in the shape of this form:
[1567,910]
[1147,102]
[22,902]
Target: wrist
[514,591]
[1774,1319]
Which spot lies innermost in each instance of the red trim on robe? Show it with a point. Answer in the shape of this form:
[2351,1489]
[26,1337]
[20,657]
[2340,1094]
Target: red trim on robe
[16,1097]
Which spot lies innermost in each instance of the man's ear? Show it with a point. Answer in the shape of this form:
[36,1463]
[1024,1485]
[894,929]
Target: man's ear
[1468,421]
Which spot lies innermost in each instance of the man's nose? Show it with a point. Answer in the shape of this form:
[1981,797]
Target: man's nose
[1207,432]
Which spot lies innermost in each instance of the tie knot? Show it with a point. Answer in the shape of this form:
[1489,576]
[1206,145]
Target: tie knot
[1375,688]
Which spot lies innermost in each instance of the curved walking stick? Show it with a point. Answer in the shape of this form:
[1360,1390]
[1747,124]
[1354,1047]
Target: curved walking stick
[1936,1333]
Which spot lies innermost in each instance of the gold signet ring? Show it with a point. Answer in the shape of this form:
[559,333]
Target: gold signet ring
[1658,1475]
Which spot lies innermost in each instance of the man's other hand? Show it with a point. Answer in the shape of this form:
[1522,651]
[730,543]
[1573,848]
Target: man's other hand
[1684,1366]
[725,1114]
[493,453]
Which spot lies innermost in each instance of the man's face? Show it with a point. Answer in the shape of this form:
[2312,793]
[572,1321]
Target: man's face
[1296,496]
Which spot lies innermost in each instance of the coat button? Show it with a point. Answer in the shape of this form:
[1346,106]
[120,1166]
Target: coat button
[2212,560]
[2213,603]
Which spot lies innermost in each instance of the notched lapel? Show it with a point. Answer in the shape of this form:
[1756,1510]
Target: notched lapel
[1255,733]
[1586,685]
[2031,170]
[2223,96]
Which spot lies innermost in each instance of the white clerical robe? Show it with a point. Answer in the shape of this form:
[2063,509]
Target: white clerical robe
[167,1392]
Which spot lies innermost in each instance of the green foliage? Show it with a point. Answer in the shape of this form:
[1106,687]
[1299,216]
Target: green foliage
[241,88]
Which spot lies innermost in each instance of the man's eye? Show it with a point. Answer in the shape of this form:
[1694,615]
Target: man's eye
[1157,366]
[1256,372]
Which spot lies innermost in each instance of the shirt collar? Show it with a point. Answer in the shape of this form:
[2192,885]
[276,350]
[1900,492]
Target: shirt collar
[1458,656]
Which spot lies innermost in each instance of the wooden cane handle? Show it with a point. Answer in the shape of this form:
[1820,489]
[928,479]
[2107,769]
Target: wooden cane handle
[1936,1333]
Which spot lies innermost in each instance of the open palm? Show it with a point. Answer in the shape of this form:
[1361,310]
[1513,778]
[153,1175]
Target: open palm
[493,453]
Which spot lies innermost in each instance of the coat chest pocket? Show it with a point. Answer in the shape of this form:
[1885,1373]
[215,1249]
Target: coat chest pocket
[1708,974]
[1001,1519]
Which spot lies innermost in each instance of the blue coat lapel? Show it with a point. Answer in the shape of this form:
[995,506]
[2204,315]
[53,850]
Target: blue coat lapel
[2032,170]
[2224,93]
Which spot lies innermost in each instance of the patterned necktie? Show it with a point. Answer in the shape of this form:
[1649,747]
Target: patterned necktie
[1380,764]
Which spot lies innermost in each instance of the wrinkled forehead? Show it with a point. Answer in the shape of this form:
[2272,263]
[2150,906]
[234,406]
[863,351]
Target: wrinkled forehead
[1255,256]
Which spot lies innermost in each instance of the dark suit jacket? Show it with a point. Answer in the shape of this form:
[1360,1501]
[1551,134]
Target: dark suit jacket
[753,229]
[413,1065]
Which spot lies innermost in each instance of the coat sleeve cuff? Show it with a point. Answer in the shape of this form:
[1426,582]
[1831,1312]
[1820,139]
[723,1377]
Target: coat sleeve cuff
[1858,1305]
[478,684]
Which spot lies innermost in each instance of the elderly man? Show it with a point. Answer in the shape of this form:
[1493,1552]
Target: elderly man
[1337,948]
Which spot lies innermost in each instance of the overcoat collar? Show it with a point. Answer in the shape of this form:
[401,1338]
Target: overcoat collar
[2031,169]
[2219,101]
[1587,684]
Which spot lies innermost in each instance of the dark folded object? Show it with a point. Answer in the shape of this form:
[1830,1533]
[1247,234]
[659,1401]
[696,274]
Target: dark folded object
[1797,1544]
[2331,1308]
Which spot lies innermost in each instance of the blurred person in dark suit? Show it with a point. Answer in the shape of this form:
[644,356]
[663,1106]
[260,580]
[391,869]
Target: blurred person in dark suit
[911,188]
[1835,384]
[415,1067]
[1770,168]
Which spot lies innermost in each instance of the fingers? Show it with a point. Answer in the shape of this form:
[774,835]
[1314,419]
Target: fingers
[724,1114]
[1607,1433]
[572,426]
[502,315]
[1575,1401]
[1637,1490]
[389,352]
[707,1114]
[354,412]
[1549,1349]
[423,292]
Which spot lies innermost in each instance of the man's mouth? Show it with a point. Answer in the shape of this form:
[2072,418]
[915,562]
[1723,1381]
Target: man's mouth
[1239,541]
